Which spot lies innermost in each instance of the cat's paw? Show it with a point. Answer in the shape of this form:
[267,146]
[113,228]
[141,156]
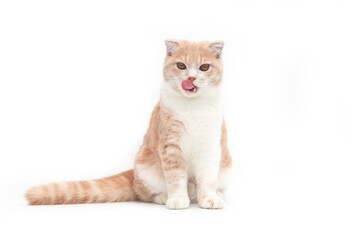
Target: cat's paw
[178,203]
[213,202]
[160,198]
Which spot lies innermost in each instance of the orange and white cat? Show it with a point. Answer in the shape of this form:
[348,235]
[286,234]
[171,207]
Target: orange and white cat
[184,156]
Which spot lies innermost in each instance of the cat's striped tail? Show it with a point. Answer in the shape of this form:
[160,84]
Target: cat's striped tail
[117,188]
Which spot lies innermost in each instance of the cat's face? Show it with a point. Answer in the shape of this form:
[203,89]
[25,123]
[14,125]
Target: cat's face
[192,68]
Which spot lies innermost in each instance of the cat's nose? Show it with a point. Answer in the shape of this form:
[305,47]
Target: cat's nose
[192,78]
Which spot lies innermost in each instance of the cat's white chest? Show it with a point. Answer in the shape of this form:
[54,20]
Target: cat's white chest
[202,119]
[202,132]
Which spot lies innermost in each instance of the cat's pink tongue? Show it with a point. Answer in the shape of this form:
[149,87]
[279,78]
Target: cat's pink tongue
[187,85]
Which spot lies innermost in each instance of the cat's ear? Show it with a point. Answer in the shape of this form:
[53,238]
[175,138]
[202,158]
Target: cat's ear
[216,48]
[171,46]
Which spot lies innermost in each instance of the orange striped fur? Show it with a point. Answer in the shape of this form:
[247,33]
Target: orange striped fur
[117,188]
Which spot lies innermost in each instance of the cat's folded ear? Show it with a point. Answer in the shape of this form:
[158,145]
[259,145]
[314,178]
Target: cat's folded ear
[171,46]
[216,48]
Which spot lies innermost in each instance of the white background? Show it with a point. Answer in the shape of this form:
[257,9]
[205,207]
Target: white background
[79,79]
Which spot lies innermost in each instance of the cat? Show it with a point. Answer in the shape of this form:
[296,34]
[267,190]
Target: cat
[184,156]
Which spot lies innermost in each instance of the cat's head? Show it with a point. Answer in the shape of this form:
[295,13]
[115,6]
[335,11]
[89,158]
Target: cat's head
[192,68]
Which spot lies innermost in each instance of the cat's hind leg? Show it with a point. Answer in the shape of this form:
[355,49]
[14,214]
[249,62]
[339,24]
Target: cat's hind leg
[160,198]
[149,183]
[192,190]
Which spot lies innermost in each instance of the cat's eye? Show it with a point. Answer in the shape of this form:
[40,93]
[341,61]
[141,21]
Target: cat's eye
[204,67]
[181,65]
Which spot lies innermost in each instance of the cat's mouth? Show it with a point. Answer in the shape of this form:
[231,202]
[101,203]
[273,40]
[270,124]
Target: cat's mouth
[188,86]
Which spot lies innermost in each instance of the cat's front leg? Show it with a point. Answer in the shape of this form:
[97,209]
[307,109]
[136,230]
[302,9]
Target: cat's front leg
[174,166]
[207,170]
[175,172]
